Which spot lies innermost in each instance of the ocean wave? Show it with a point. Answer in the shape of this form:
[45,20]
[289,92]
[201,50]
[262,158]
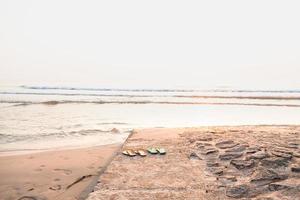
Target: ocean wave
[113,123]
[53,103]
[104,89]
[10,138]
[155,95]
[158,90]
[81,94]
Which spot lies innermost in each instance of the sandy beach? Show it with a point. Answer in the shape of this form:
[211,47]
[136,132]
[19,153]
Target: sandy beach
[220,162]
[52,174]
[149,100]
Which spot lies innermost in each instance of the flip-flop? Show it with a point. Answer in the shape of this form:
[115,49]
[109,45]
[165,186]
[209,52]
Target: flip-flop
[152,150]
[141,153]
[129,153]
[125,153]
[161,151]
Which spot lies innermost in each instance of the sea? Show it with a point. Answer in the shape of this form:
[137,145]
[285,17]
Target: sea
[40,118]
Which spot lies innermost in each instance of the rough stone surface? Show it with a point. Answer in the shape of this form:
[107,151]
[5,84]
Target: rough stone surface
[210,151]
[216,170]
[194,155]
[228,178]
[285,185]
[253,149]
[239,148]
[265,176]
[238,191]
[265,198]
[258,155]
[292,145]
[275,162]
[212,163]
[281,154]
[242,164]
[230,155]
[283,150]
[225,144]
[204,138]
[296,168]
[238,164]
[296,154]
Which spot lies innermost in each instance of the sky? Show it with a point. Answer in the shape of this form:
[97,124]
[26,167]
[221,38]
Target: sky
[233,43]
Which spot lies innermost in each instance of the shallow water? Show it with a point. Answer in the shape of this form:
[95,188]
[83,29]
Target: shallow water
[86,117]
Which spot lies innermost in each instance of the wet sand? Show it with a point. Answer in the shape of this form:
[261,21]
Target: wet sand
[49,175]
[208,163]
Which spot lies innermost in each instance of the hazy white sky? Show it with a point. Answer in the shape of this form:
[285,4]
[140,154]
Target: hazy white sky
[150,43]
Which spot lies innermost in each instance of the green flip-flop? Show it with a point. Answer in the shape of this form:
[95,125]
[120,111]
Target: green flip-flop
[152,150]
[161,151]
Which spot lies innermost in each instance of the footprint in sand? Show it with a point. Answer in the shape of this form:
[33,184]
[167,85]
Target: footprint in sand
[65,171]
[31,198]
[27,198]
[91,167]
[55,187]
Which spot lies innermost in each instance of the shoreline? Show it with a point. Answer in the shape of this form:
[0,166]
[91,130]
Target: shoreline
[4,153]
